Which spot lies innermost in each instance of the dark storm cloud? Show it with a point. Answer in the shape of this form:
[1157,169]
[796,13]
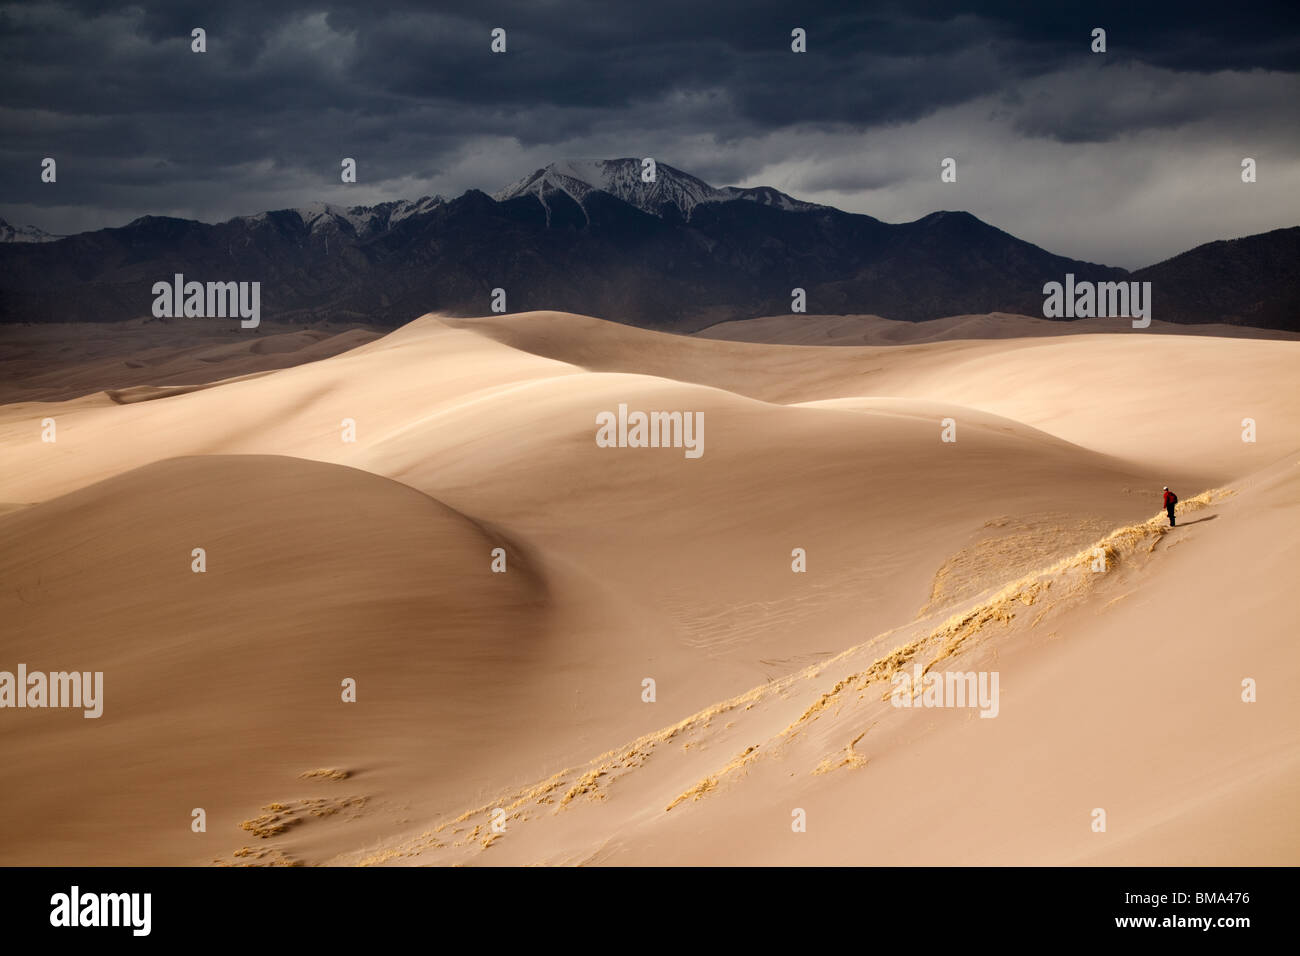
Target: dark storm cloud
[1198,37]
[877,64]
[139,124]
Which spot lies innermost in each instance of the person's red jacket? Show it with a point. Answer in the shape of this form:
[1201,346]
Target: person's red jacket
[1169,497]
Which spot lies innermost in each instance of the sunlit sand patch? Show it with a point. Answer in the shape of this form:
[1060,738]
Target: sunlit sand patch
[326,774]
[849,757]
[280,817]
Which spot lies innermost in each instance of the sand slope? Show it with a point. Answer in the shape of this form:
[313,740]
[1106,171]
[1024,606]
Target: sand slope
[227,680]
[1109,699]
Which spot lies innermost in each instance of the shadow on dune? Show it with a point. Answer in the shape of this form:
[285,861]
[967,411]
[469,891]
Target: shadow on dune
[1197,521]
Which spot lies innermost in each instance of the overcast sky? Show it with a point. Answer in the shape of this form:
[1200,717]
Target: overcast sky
[1125,158]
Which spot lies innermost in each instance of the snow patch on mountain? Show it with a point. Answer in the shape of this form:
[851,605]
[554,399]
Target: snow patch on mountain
[10,233]
[767,196]
[361,221]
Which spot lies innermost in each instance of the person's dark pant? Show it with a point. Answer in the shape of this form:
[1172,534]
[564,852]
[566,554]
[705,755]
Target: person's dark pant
[1170,509]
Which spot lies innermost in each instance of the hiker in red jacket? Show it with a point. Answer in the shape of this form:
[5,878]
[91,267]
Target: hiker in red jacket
[1171,499]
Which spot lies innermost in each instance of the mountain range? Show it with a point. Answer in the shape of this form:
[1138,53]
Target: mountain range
[594,237]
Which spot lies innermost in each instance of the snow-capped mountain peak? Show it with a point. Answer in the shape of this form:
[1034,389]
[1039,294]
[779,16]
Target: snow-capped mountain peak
[623,178]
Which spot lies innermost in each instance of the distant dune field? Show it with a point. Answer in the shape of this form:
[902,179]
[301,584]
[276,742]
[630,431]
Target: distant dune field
[875,330]
[475,443]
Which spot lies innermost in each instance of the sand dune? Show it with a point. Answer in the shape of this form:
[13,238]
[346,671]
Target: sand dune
[1140,397]
[372,558]
[221,683]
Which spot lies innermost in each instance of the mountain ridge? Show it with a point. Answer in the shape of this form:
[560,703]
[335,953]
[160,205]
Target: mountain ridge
[594,237]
